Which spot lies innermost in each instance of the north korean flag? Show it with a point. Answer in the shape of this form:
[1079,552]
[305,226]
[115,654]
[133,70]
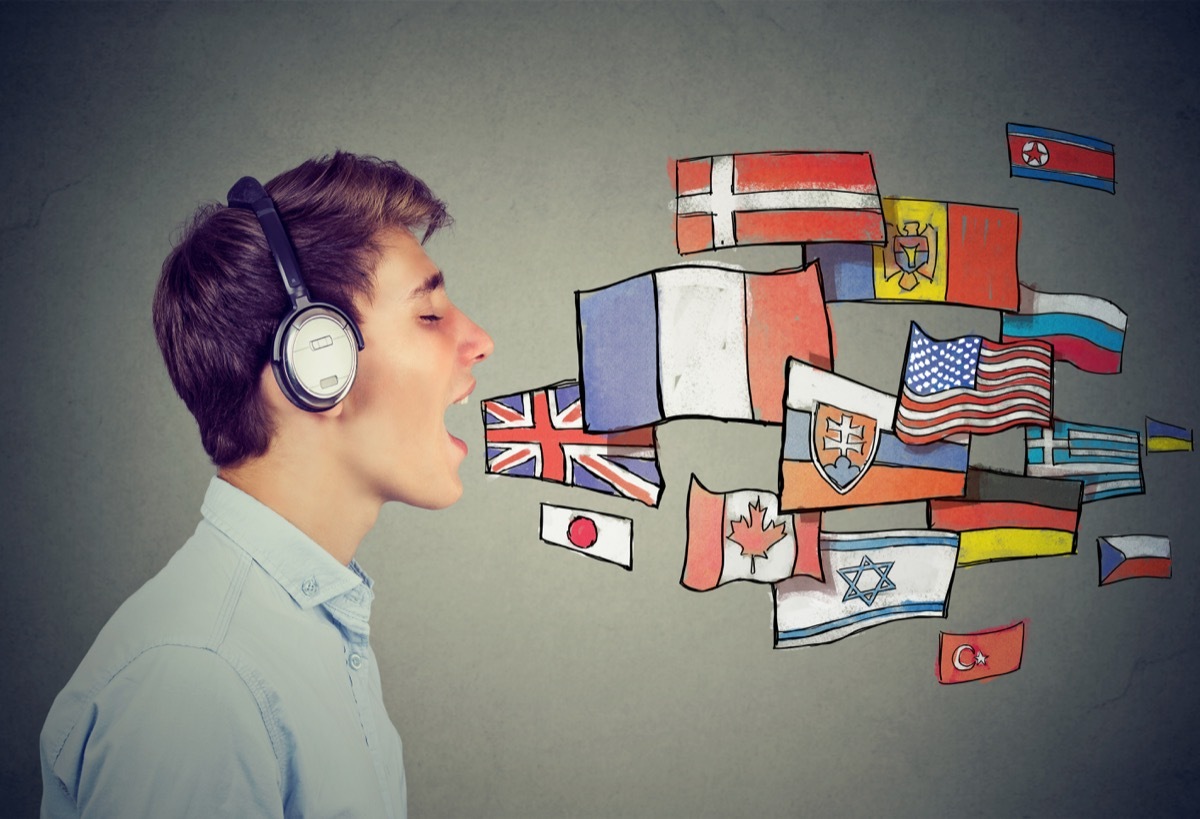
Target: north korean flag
[1057,156]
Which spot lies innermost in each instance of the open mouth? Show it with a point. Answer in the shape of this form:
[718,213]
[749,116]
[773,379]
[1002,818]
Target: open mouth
[458,420]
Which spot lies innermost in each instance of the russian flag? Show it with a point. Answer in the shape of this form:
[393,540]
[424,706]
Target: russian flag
[1057,156]
[1085,331]
[1125,556]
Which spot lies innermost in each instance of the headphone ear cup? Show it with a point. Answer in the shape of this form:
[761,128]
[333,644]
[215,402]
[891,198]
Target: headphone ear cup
[315,356]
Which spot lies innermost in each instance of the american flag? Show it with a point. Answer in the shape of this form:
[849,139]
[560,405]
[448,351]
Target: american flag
[972,385]
[539,434]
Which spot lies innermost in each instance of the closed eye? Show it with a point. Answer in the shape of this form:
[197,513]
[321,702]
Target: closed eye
[431,319]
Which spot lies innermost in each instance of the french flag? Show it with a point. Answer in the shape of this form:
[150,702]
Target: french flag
[1057,156]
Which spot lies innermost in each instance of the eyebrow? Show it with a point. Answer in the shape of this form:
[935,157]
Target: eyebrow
[426,287]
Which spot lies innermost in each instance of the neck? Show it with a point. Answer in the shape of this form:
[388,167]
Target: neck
[330,511]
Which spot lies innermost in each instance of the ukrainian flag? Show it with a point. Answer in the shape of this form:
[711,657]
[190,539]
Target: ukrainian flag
[1162,437]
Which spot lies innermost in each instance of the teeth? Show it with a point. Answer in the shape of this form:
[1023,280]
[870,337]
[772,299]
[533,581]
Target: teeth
[463,401]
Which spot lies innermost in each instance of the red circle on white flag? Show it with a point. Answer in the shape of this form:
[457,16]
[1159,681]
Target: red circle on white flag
[582,532]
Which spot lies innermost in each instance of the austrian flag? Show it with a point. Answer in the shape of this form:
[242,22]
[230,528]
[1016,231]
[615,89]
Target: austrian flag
[776,198]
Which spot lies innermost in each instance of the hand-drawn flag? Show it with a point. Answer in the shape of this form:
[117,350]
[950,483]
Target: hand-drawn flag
[742,535]
[1164,437]
[1010,516]
[1086,331]
[539,434]
[971,385]
[934,252]
[1126,556]
[696,341]
[604,537]
[775,198]
[1056,156]
[1106,459]
[870,578]
[839,448]
[980,654]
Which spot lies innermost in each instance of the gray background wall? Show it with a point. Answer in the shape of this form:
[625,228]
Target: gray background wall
[527,681]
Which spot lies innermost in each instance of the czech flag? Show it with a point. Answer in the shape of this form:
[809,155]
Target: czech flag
[1125,556]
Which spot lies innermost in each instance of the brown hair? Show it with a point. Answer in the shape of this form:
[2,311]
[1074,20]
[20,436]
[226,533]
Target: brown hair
[220,296]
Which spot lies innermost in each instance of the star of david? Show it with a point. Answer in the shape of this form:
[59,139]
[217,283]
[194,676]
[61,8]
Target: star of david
[853,574]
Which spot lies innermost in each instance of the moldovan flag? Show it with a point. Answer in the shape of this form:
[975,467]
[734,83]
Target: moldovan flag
[1010,516]
[1057,156]
[1085,331]
[839,448]
[1125,556]
[1164,437]
[972,385]
[742,536]
[604,537]
[870,578]
[775,198]
[706,341]
[980,654]
[934,252]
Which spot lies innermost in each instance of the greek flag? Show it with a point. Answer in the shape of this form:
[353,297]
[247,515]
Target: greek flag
[1106,459]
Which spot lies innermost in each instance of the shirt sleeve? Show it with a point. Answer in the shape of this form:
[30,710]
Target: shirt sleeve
[178,733]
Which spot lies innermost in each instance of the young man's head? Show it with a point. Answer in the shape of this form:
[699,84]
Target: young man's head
[357,225]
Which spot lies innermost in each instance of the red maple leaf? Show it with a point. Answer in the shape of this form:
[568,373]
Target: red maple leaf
[753,536]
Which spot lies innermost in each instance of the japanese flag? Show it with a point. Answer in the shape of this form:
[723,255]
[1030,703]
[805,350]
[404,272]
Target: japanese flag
[604,537]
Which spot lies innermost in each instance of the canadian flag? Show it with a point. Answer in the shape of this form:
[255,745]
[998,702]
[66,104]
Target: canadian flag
[741,535]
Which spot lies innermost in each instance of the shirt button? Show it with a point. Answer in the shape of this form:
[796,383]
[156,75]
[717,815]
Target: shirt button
[310,586]
[356,661]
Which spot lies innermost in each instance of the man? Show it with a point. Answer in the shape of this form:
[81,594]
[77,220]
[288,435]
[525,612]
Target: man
[239,681]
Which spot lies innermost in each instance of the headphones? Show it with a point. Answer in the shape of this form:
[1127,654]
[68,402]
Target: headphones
[315,354]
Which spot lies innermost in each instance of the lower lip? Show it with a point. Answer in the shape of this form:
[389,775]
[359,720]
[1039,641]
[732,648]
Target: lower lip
[458,442]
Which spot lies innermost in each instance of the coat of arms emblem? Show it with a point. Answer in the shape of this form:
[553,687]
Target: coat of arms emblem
[843,446]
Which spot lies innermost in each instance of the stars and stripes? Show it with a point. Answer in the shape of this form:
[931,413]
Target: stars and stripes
[539,434]
[1106,459]
[972,385]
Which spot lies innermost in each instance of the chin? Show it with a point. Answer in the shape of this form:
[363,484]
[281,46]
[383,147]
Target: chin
[440,498]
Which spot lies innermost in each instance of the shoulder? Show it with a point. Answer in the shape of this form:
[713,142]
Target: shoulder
[174,622]
[171,709]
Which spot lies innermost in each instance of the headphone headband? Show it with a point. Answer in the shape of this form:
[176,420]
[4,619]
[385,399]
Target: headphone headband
[249,194]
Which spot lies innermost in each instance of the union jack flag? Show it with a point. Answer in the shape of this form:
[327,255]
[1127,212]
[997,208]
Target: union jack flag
[539,434]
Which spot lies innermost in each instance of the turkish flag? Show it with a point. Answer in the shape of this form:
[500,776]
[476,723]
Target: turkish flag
[980,654]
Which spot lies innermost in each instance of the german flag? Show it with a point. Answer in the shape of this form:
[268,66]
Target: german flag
[1005,517]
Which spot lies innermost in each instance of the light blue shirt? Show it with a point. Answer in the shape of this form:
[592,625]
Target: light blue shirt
[237,682]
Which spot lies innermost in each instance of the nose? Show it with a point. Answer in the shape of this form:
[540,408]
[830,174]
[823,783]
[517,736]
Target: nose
[477,344]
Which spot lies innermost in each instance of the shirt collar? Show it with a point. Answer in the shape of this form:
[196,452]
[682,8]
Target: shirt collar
[307,572]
